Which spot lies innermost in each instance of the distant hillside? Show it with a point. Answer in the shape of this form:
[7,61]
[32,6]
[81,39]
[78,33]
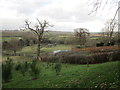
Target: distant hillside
[21,33]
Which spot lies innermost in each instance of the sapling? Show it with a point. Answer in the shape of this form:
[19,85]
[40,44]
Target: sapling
[58,67]
[7,70]
[23,68]
[34,71]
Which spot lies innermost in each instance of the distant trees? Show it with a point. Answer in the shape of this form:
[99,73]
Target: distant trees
[29,38]
[39,31]
[5,45]
[13,45]
[21,42]
[81,35]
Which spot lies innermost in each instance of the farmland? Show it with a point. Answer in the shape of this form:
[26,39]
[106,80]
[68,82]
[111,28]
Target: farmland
[60,44]
[79,67]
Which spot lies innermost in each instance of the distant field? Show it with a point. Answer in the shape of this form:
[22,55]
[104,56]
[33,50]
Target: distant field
[93,37]
[9,38]
[31,50]
[58,47]
[46,49]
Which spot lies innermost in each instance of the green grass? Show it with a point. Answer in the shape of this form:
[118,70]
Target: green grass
[72,76]
[33,49]
[9,38]
[58,47]
[94,38]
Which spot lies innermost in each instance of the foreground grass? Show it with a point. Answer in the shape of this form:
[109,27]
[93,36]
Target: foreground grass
[72,76]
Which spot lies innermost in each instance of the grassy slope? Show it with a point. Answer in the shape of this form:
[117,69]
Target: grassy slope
[71,76]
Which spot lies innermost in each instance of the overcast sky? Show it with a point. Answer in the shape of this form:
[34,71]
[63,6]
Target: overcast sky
[65,15]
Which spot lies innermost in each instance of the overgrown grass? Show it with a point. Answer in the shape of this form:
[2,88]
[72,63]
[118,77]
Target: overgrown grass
[72,76]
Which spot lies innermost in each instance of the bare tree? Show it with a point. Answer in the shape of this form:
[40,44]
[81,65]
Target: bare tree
[39,31]
[81,34]
[14,46]
[101,4]
[110,27]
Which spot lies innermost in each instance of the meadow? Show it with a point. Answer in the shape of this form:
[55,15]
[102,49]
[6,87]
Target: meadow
[9,38]
[71,76]
[104,74]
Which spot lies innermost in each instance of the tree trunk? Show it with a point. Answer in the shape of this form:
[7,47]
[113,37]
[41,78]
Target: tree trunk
[38,50]
[111,34]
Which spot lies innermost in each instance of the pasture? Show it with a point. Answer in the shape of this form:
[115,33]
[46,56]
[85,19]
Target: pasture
[84,67]
[9,38]
[71,76]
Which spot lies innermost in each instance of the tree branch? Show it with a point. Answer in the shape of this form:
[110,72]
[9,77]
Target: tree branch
[28,27]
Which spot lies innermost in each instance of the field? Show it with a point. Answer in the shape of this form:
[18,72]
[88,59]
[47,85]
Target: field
[31,51]
[101,73]
[9,38]
[72,76]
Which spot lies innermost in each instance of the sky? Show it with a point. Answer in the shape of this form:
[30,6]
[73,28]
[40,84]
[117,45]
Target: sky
[65,15]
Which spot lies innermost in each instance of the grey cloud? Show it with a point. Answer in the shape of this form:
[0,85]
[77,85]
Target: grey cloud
[28,7]
[61,15]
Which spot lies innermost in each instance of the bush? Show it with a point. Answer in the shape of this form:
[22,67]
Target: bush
[79,46]
[24,68]
[17,67]
[100,57]
[115,55]
[34,71]
[58,67]
[84,57]
[7,70]
[100,44]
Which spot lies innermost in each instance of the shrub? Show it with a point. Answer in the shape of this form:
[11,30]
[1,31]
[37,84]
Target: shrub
[85,57]
[115,55]
[108,44]
[100,57]
[78,47]
[23,68]
[34,71]
[26,65]
[100,44]
[17,67]
[7,70]
[58,67]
